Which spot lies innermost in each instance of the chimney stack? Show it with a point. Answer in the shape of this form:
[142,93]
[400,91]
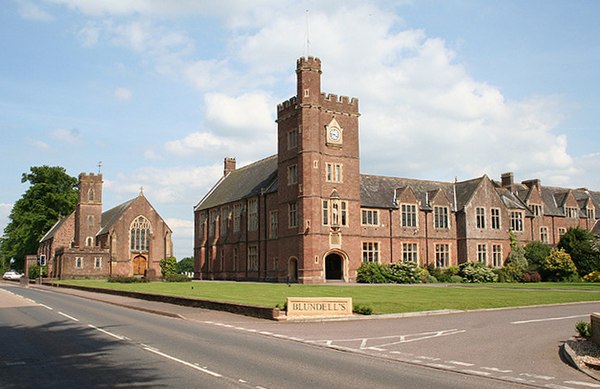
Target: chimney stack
[507,180]
[229,166]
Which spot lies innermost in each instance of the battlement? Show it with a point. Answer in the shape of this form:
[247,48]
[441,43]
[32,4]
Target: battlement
[290,103]
[310,63]
[339,103]
[91,177]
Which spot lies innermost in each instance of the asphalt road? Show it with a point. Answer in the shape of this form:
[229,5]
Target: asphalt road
[53,340]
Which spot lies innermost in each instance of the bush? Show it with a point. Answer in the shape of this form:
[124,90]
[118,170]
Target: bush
[592,277]
[34,271]
[126,280]
[177,278]
[475,272]
[362,309]
[405,273]
[584,329]
[456,279]
[371,273]
[559,267]
[516,263]
[168,266]
[531,277]
[536,253]
[579,244]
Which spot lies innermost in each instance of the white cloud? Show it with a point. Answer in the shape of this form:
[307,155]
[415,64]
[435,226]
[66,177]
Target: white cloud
[198,142]
[250,113]
[31,11]
[89,35]
[123,94]
[38,144]
[66,135]
[183,228]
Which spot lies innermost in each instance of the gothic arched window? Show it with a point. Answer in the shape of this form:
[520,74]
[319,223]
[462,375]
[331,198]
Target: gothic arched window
[140,234]
[91,195]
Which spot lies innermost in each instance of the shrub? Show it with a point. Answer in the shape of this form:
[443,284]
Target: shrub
[516,263]
[558,266]
[579,244]
[168,266]
[405,272]
[592,277]
[584,329]
[126,280]
[531,277]
[177,278]
[536,253]
[362,309]
[371,273]
[34,271]
[475,272]
[456,279]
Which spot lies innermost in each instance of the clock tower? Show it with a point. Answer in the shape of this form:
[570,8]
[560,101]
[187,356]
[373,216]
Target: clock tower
[318,179]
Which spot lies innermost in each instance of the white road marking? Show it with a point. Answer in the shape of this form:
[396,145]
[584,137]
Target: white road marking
[548,319]
[587,384]
[67,316]
[107,333]
[555,386]
[477,372]
[536,376]
[30,300]
[47,307]
[496,370]
[461,363]
[188,364]
[429,358]
[441,366]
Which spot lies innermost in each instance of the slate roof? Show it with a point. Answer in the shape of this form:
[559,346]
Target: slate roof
[52,231]
[247,181]
[110,217]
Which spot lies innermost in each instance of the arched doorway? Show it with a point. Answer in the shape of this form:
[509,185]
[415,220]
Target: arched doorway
[293,270]
[139,265]
[333,267]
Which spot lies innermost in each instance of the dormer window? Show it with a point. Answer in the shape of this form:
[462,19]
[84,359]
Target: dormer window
[591,213]
[571,212]
[536,209]
[409,215]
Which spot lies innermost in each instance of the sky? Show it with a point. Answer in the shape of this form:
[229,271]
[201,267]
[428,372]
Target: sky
[162,91]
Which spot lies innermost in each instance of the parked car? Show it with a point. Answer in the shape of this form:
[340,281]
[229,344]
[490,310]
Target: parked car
[12,275]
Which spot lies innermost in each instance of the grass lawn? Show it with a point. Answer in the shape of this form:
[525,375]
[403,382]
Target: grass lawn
[382,298]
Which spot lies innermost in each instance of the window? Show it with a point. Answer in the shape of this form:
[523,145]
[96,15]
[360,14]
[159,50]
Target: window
[409,252]
[496,218]
[79,262]
[140,234]
[516,220]
[237,217]
[482,253]
[370,251]
[409,215]
[544,234]
[440,217]
[252,258]
[212,220]
[335,212]
[369,217]
[292,174]
[333,172]
[97,262]
[235,258]
[571,212]
[292,139]
[325,212]
[497,255]
[293,214]
[225,216]
[252,214]
[91,195]
[480,212]
[591,214]
[274,217]
[442,255]
[536,209]
[90,220]
[561,231]
[89,241]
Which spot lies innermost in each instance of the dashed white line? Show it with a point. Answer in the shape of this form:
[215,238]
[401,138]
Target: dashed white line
[47,307]
[429,358]
[459,363]
[587,384]
[548,319]
[30,300]
[188,364]
[441,366]
[536,376]
[477,372]
[107,332]
[495,369]
[68,316]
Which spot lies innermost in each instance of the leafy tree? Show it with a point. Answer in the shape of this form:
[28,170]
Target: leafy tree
[168,266]
[536,253]
[186,265]
[52,193]
[516,263]
[558,266]
[579,243]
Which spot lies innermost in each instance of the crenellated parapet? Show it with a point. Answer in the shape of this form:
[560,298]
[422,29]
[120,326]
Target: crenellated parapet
[288,104]
[308,63]
[333,102]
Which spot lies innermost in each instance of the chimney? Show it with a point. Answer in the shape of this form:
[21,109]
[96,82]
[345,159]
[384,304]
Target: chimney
[536,182]
[229,166]
[507,180]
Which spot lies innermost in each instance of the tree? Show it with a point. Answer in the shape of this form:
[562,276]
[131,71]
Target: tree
[516,263]
[186,265]
[168,266]
[52,193]
[579,243]
[536,253]
[558,266]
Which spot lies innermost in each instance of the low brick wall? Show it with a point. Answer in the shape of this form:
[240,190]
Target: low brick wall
[595,320]
[240,309]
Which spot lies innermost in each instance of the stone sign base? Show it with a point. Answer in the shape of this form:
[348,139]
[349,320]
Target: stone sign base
[319,306]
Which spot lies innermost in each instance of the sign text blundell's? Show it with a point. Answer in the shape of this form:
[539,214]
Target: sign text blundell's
[319,306]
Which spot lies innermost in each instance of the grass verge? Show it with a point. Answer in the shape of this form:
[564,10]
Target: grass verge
[382,298]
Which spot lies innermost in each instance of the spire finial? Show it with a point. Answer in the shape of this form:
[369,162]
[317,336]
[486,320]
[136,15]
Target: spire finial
[141,190]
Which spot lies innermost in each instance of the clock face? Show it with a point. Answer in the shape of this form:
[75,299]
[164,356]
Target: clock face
[334,134]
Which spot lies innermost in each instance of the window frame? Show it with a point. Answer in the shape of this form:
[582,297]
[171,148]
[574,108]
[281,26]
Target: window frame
[370,252]
[410,252]
[441,217]
[409,215]
[480,217]
[516,221]
[496,218]
[369,217]
[482,253]
[442,255]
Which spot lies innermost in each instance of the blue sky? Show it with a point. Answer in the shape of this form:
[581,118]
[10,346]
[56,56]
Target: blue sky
[162,91]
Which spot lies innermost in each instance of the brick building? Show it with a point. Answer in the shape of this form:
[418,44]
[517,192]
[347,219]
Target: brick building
[307,215]
[127,240]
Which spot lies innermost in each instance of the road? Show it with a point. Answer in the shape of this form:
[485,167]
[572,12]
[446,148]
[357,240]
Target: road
[51,340]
